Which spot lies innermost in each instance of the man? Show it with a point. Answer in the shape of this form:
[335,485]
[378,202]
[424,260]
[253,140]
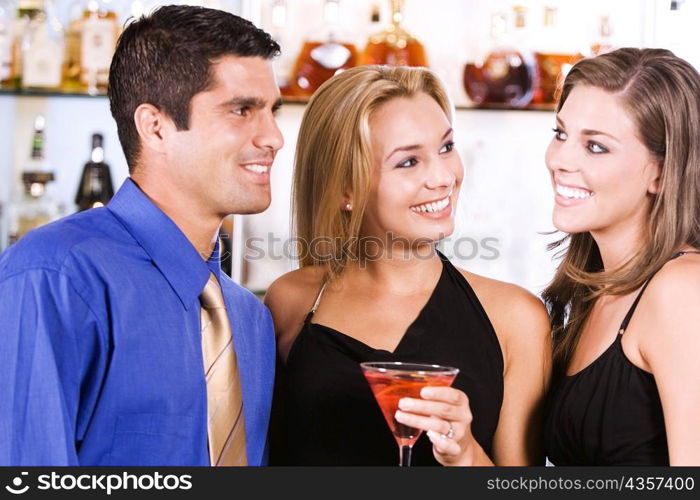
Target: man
[117,324]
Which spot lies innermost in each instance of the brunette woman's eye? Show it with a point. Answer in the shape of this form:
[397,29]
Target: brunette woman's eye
[596,148]
[559,134]
[447,147]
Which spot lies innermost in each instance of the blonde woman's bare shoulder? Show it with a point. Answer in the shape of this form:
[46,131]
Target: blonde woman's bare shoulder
[512,309]
[508,295]
[291,296]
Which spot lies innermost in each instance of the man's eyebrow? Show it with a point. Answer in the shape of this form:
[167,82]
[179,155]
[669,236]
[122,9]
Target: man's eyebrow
[251,102]
[244,102]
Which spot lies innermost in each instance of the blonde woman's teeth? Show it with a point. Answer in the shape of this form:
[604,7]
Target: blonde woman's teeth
[435,206]
[573,193]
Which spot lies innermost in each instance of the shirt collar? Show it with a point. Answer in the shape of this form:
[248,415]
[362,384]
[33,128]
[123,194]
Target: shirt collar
[169,249]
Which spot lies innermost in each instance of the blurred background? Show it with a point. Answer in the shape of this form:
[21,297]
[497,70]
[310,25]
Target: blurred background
[501,62]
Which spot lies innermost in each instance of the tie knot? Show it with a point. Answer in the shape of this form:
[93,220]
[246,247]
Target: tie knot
[211,297]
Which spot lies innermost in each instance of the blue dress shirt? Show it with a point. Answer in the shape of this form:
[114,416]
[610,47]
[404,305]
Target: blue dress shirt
[100,344]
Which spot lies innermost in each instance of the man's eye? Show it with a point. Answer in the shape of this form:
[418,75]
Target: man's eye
[242,111]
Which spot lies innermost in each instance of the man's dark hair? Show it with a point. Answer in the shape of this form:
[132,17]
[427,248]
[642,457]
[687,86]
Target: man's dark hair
[165,58]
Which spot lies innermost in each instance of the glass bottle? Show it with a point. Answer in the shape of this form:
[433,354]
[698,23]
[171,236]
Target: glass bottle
[90,42]
[553,63]
[42,46]
[7,14]
[95,188]
[276,24]
[27,11]
[507,75]
[321,57]
[602,44]
[36,207]
[394,46]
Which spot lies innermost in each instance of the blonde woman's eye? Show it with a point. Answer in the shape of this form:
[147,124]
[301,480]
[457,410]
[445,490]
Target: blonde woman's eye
[410,162]
[559,134]
[596,148]
[449,146]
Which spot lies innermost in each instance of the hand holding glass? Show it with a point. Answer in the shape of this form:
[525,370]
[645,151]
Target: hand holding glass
[393,381]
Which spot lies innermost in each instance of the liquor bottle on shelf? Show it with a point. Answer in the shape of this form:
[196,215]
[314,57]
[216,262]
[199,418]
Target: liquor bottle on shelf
[90,42]
[96,187]
[275,23]
[35,207]
[41,44]
[37,162]
[507,75]
[321,58]
[554,59]
[394,46]
[27,12]
[602,44]
[7,14]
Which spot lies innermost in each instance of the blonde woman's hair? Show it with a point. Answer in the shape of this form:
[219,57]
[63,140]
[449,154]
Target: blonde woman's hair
[661,93]
[334,158]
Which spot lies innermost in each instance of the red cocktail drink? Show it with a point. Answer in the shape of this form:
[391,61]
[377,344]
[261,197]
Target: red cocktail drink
[392,381]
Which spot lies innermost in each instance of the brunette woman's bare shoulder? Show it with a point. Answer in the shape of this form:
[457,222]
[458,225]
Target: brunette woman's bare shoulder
[672,298]
[677,282]
[290,298]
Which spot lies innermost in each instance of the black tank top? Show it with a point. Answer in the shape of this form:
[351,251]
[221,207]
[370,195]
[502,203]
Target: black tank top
[326,411]
[609,413]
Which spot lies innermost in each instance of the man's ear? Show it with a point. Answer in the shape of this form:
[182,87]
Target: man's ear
[153,127]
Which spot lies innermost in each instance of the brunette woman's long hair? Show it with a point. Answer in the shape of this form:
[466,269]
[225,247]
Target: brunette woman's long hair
[661,93]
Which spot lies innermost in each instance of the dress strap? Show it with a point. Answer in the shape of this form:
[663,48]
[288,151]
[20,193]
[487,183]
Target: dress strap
[628,317]
[318,297]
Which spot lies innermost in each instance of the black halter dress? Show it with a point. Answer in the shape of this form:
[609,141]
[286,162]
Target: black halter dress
[325,411]
[609,413]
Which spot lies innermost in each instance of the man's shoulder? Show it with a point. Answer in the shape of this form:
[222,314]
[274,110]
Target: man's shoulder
[241,296]
[50,246]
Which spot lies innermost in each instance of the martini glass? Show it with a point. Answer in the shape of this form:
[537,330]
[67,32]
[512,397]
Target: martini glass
[392,381]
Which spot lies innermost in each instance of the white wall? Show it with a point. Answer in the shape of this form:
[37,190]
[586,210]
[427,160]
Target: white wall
[506,194]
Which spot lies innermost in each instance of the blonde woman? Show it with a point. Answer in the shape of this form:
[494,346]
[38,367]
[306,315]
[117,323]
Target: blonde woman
[625,301]
[376,182]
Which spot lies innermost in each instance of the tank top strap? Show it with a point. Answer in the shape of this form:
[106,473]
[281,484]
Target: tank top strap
[628,317]
[318,298]
[629,314]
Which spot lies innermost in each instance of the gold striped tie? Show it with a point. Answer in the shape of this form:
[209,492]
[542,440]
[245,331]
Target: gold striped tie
[226,427]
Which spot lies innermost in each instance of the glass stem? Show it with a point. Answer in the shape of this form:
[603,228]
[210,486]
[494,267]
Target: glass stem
[405,455]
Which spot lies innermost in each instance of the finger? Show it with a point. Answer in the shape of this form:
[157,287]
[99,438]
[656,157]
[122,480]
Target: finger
[427,423]
[445,411]
[445,394]
[443,446]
